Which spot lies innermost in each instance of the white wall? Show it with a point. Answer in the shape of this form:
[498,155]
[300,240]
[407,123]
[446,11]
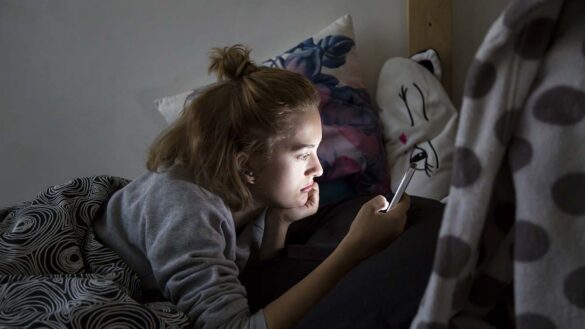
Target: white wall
[77,78]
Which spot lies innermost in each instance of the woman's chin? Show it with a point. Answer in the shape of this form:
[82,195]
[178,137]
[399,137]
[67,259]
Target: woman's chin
[299,201]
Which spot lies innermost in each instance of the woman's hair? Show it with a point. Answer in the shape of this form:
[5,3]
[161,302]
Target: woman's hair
[247,110]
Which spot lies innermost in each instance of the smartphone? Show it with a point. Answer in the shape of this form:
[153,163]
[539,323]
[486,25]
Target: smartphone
[402,187]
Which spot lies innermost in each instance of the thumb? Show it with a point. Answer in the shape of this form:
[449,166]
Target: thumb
[378,203]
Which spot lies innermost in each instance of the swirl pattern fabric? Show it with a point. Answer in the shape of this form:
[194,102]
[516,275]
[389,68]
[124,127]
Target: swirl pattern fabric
[55,274]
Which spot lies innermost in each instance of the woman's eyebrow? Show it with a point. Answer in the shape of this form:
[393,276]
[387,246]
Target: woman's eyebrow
[297,147]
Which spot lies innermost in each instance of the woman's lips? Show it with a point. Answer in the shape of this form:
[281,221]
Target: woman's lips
[307,188]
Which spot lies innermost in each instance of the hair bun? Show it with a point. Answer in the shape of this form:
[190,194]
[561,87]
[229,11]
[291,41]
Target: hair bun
[231,62]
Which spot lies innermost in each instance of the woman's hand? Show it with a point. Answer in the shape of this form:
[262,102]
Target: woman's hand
[279,219]
[291,215]
[372,230]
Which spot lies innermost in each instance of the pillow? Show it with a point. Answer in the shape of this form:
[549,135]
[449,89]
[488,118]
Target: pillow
[429,58]
[171,106]
[419,123]
[352,151]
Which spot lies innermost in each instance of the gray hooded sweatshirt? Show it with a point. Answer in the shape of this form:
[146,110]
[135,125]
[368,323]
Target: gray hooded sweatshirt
[181,240]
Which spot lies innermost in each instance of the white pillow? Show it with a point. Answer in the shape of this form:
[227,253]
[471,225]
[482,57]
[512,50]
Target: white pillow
[429,58]
[171,106]
[419,124]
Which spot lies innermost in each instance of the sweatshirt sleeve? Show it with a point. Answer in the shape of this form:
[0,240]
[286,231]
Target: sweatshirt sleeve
[190,244]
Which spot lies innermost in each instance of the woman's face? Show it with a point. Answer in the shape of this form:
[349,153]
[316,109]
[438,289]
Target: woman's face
[286,179]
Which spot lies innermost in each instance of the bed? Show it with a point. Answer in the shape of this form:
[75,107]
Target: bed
[473,194]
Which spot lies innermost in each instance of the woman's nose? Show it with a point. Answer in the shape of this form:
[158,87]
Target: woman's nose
[316,169]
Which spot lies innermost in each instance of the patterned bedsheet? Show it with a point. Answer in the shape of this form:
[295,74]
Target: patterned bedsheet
[55,274]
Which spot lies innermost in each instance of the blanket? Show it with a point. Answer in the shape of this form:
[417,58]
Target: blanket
[511,250]
[55,274]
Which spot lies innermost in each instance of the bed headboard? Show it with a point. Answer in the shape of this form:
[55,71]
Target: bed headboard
[429,25]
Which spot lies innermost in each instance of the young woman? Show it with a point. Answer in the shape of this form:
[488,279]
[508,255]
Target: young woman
[224,184]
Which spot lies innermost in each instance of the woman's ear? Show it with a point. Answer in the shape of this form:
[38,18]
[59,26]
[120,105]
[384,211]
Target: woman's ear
[243,161]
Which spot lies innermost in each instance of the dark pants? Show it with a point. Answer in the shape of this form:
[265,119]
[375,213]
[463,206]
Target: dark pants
[384,291]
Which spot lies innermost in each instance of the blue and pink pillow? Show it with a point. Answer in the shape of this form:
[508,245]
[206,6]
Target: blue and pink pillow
[352,152]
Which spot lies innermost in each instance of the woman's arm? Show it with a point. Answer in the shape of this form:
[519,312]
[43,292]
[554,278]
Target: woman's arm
[278,221]
[369,233]
[275,229]
[289,308]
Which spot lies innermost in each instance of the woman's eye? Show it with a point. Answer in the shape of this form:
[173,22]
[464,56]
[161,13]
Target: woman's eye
[304,156]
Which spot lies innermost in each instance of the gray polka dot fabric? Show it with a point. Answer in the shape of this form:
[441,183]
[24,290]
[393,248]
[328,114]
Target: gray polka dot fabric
[511,249]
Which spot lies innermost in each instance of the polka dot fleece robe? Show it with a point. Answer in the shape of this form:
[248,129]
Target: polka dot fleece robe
[511,249]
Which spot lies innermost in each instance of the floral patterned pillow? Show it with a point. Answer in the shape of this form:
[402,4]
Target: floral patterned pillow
[352,151]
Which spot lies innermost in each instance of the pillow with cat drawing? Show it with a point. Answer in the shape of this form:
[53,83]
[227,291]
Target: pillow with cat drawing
[420,124]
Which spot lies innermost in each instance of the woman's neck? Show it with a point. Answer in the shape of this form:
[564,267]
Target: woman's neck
[243,216]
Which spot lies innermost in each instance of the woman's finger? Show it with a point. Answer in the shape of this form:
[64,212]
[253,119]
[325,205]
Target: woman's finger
[378,203]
